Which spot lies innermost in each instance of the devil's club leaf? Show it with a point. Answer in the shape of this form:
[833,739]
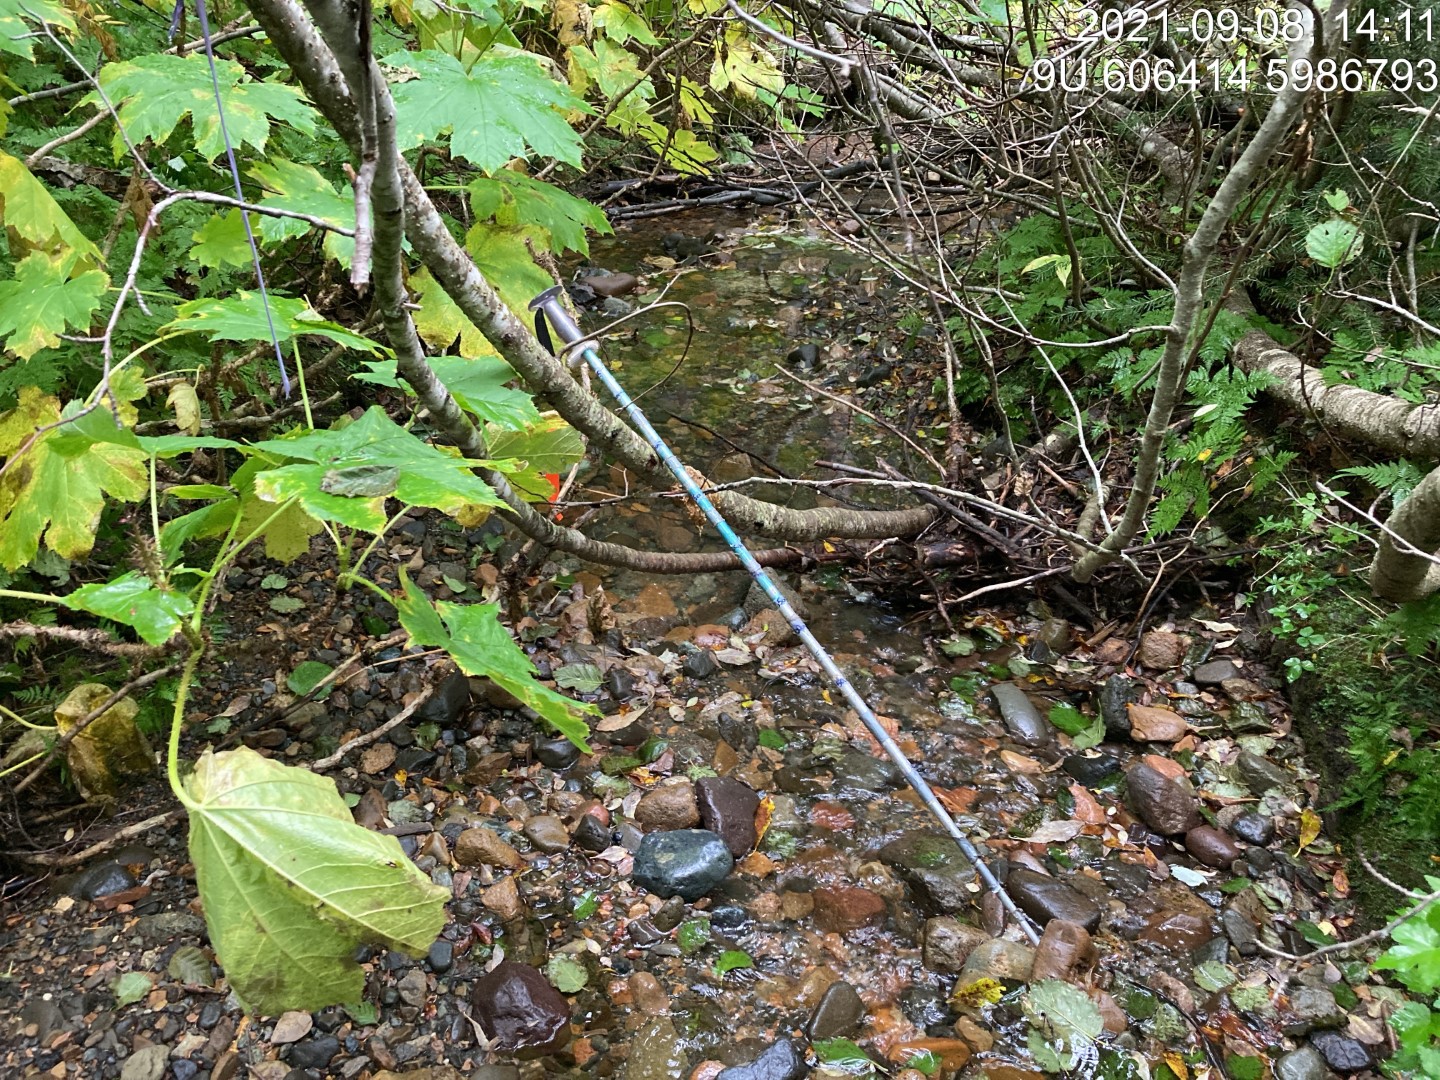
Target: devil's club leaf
[42,301]
[550,446]
[292,886]
[35,217]
[156,92]
[302,190]
[221,241]
[242,318]
[494,111]
[426,476]
[133,600]
[16,16]
[58,487]
[512,199]
[478,385]
[480,646]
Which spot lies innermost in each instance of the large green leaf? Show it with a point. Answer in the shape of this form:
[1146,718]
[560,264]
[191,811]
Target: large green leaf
[221,241]
[58,488]
[512,199]
[621,24]
[478,385]
[480,646]
[549,446]
[439,320]
[427,476]
[241,317]
[132,600]
[292,886]
[495,111]
[302,190]
[1333,243]
[18,16]
[153,94]
[503,256]
[36,218]
[43,300]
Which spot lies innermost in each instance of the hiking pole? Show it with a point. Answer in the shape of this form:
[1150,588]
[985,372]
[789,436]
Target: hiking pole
[549,305]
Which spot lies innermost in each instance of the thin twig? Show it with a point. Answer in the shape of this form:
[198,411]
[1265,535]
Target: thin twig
[370,736]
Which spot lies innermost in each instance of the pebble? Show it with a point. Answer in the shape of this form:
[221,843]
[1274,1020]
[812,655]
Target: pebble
[1254,828]
[1161,649]
[1151,724]
[1260,774]
[999,958]
[412,988]
[1240,930]
[483,847]
[557,753]
[441,956]
[740,733]
[1313,1007]
[518,1008]
[1211,846]
[1091,770]
[843,909]
[1305,1063]
[447,706]
[946,943]
[591,835]
[147,1063]
[103,879]
[1341,1052]
[1044,898]
[933,867]
[1064,947]
[700,664]
[616,284]
[782,1061]
[1215,672]
[861,774]
[1021,716]
[650,997]
[1111,700]
[839,1013]
[314,1053]
[655,1052]
[547,832]
[670,805]
[686,862]
[1168,806]
[727,807]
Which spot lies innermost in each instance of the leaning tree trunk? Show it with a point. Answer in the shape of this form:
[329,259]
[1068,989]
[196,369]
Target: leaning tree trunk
[1406,566]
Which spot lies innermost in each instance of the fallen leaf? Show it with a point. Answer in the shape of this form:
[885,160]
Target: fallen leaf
[1086,808]
[957,800]
[1309,828]
[1055,832]
[1019,763]
[1177,1065]
[1341,881]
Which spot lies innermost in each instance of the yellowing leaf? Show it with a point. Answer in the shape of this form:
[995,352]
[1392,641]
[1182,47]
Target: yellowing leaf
[42,301]
[186,403]
[503,257]
[292,886]
[440,321]
[571,20]
[1309,828]
[744,67]
[18,16]
[621,24]
[1177,1065]
[32,215]
[974,995]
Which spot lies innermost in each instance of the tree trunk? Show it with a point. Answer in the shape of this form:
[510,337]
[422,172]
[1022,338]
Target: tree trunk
[1406,566]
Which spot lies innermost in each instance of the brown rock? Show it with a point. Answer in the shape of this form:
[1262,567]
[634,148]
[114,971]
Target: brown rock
[1162,650]
[519,1009]
[377,758]
[1167,804]
[650,997]
[953,1053]
[483,847]
[618,284]
[796,905]
[1180,931]
[947,943]
[1115,1019]
[503,898]
[1170,987]
[547,832]
[669,805]
[979,1039]
[1064,947]
[841,909]
[1211,846]
[1149,723]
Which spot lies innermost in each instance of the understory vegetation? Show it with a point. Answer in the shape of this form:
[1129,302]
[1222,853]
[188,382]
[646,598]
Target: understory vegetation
[265,285]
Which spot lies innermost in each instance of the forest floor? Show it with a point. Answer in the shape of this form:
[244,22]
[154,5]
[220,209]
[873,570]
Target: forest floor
[1142,795]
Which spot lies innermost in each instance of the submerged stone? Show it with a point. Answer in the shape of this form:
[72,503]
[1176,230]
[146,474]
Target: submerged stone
[933,867]
[839,1013]
[1021,716]
[685,862]
[727,808]
[518,1008]
[783,1061]
[1044,898]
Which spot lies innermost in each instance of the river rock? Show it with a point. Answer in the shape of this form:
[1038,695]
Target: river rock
[1254,828]
[557,753]
[147,1063]
[1161,649]
[1151,724]
[102,879]
[1341,1052]
[947,943]
[1021,717]
[483,847]
[1240,930]
[608,285]
[1312,1008]
[740,732]
[1260,774]
[1111,701]
[685,862]
[518,1008]
[313,1053]
[933,867]
[1055,635]
[839,1013]
[1064,947]
[1044,898]
[591,834]
[857,774]
[1248,718]
[728,807]
[842,909]
[999,958]
[447,706]
[670,805]
[656,1052]
[756,601]
[547,832]
[782,1061]
[1305,1063]
[1168,806]
[700,664]
[1211,846]
[1091,770]
[1215,672]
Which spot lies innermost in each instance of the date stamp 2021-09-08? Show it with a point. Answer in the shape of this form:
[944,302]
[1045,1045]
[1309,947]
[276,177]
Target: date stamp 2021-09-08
[1238,48]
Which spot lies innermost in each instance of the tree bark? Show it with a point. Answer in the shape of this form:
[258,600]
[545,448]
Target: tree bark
[1406,567]
[1379,421]
[315,66]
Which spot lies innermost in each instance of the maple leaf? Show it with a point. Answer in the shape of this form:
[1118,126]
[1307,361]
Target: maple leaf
[511,198]
[36,218]
[153,94]
[17,16]
[221,241]
[496,110]
[242,318]
[58,488]
[302,190]
[42,300]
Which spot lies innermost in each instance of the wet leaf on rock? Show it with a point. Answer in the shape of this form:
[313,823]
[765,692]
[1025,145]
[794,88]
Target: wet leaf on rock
[1250,998]
[191,966]
[693,935]
[769,737]
[970,997]
[586,904]
[1069,719]
[286,605]
[276,846]
[1212,975]
[306,676]
[841,1057]
[131,987]
[363,1013]
[1064,1024]
[733,960]
[585,678]
[567,973]
[1313,934]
